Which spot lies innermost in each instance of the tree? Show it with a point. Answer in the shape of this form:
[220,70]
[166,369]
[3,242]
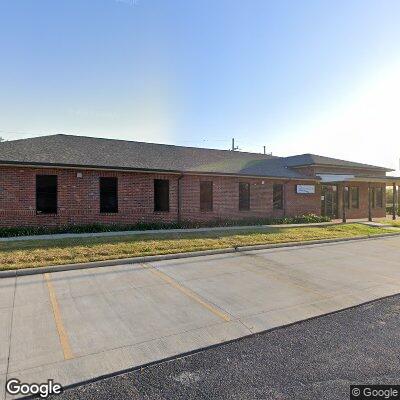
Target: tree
[1,139]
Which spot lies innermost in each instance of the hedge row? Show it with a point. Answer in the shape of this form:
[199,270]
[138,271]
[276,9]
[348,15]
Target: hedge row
[141,226]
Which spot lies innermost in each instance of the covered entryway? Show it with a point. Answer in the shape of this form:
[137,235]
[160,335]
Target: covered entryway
[357,197]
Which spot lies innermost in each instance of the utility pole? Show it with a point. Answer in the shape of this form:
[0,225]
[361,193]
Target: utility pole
[264,150]
[233,145]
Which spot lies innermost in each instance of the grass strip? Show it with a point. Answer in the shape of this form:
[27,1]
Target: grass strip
[39,253]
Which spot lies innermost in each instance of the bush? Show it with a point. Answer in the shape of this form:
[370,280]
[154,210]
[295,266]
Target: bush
[143,226]
[389,210]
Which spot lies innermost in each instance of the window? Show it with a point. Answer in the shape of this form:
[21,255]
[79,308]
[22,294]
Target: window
[46,194]
[206,196]
[347,197]
[373,197]
[244,196]
[108,195]
[379,197]
[161,195]
[277,197]
[355,197]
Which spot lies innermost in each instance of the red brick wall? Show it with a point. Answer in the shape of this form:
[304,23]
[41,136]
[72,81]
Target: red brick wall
[362,211]
[226,198]
[78,198]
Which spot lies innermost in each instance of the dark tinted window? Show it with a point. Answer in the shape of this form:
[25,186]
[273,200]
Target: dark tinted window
[46,194]
[355,197]
[206,196]
[108,195]
[277,197]
[161,195]
[244,196]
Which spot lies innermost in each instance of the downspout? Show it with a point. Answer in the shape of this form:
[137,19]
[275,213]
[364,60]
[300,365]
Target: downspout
[344,219]
[179,198]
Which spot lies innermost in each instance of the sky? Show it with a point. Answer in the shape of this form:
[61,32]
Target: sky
[295,76]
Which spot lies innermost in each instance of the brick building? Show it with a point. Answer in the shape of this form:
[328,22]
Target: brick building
[62,179]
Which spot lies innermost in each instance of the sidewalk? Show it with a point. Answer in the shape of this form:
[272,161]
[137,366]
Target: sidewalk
[161,231]
[187,231]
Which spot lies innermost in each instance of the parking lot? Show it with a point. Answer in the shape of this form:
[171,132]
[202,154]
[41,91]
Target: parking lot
[314,359]
[77,325]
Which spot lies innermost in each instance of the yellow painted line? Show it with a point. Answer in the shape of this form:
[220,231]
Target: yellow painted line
[62,333]
[189,293]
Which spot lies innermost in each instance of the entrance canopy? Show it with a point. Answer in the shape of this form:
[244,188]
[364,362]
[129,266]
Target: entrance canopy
[336,178]
[342,179]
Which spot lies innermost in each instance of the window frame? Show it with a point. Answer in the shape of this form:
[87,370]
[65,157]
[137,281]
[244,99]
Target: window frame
[277,204]
[53,210]
[158,201]
[206,205]
[244,203]
[104,197]
[354,205]
[379,197]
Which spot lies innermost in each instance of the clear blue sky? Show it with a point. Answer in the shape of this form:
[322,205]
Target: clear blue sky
[296,76]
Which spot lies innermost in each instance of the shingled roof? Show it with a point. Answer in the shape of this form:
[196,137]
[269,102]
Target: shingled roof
[313,159]
[81,151]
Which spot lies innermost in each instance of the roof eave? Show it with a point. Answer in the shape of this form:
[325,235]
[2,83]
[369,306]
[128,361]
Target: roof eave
[146,170]
[344,167]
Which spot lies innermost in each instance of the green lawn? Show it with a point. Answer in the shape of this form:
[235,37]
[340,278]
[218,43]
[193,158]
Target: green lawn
[36,253]
[391,222]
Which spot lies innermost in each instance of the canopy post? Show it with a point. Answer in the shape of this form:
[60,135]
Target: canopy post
[369,203]
[394,200]
[344,219]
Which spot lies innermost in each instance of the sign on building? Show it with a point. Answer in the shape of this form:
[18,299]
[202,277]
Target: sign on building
[305,189]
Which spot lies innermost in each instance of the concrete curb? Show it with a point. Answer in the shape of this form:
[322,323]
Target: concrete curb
[136,260]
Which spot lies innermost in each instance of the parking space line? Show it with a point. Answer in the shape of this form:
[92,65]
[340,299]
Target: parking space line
[189,293]
[62,333]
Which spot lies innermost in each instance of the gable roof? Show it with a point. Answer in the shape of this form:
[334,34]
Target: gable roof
[89,152]
[313,159]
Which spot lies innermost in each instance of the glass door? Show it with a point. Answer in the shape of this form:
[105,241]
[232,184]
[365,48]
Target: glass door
[329,201]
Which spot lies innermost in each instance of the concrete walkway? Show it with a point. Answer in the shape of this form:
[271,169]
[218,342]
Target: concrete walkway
[184,231]
[77,325]
[161,231]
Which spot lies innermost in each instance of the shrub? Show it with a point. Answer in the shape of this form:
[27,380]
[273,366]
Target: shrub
[389,210]
[143,226]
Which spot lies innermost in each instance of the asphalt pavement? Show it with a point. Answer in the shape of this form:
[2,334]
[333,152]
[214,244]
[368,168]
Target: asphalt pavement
[314,359]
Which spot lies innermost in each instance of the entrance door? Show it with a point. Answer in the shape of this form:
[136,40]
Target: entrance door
[329,201]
